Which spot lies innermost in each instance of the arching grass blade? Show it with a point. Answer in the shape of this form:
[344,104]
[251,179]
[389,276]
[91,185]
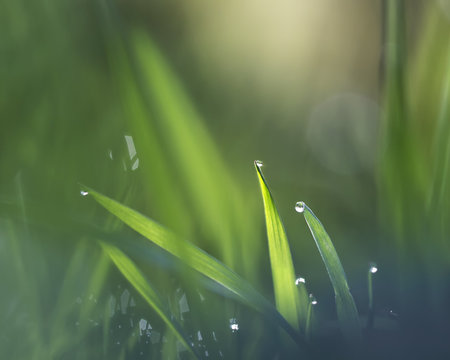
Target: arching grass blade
[345,305]
[135,277]
[198,260]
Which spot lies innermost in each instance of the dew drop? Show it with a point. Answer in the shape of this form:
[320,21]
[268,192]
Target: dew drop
[313,300]
[258,163]
[234,326]
[84,193]
[393,315]
[300,280]
[300,206]
[373,268]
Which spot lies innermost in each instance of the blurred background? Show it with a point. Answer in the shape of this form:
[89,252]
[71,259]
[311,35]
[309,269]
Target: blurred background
[164,106]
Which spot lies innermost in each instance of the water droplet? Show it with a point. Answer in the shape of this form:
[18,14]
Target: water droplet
[392,314]
[373,268]
[313,300]
[300,206]
[258,163]
[84,193]
[234,326]
[300,280]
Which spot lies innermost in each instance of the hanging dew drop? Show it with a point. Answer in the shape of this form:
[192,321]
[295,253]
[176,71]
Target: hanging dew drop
[373,268]
[84,193]
[313,300]
[258,163]
[234,326]
[300,280]
[300,206]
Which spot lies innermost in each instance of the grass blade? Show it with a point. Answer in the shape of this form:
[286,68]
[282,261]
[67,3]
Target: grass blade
[345,305]
[196,259]
[310,318]
[283,275]
[135,277]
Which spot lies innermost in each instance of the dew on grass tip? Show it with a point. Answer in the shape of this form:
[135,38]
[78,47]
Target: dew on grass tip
[234,326]
[373,268]
[300,206]
[84,193]
[313,300]
[258,163]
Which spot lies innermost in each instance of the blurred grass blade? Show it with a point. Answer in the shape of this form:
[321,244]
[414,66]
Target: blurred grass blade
[441,146]
[286,294]
[310,319]
[345,306]
[197,259]
[210,191]
[135,277]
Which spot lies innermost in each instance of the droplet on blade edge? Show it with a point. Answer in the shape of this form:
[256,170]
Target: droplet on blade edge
[300,206]
[373,268]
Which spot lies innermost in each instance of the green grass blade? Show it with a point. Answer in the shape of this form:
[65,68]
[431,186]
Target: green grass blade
[210,191]
[310,318]
[283,275]
[196,259]
[345,305]
[135,277]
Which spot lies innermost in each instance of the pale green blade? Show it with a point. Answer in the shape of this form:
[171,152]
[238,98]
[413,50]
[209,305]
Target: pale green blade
[200,172]
[135,277]
[197,259]
[345,306]
[286,294]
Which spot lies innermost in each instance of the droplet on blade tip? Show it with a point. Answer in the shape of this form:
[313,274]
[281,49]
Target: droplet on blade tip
[258,163]
[234,326]
[313,300]
[300,206]
[373,268]
[84,193]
